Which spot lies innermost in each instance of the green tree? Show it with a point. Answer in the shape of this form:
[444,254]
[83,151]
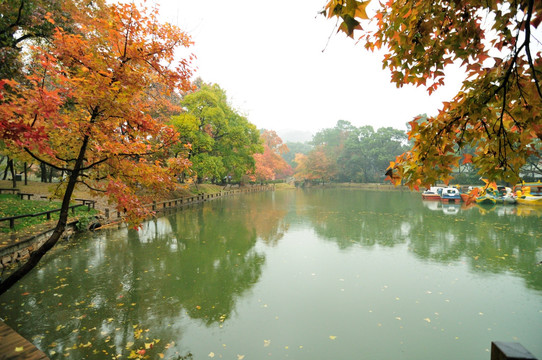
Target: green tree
[367,153]
[498,110]
[217,140]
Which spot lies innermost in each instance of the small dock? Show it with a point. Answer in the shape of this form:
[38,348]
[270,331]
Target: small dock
[15,347]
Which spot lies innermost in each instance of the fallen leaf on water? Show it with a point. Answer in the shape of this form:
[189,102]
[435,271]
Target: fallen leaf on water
[266,343]
[240,357]
[428,320]
[19,349]
[332,337]
[211,354]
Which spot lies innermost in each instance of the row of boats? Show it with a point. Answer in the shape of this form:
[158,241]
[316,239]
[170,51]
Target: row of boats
[525,193]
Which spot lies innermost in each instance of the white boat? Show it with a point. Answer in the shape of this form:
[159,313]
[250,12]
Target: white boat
[450,195]
[433,193]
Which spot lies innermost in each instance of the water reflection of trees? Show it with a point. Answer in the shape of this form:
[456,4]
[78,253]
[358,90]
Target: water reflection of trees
[266,214]
[357,217]
[486,240]
[198,262]
[494,240]
[191,264]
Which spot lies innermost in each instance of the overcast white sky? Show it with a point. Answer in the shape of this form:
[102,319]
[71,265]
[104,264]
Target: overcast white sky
[270,59]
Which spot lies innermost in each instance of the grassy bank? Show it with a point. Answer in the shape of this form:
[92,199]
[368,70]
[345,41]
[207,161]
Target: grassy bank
[12,205]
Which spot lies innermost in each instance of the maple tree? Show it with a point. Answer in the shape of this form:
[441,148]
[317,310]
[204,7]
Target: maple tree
[85,108]
[270,165]
[497,112]
[315,166]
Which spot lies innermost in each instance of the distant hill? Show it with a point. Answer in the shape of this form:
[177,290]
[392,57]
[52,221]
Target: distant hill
[295,135]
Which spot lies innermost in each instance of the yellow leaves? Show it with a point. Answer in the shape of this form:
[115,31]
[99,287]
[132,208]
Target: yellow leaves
[360,12]
[349,11]
[19,349]
[211,354]
[332,337]
[49,17]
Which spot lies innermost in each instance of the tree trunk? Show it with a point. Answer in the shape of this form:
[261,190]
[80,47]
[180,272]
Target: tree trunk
[13,180]
[59,229]
[6,170]
[43,171]
[25,173]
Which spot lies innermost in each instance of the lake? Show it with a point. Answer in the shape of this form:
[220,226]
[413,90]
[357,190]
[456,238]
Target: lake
[301,274]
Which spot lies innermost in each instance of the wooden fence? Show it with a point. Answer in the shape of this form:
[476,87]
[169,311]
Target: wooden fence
[157,206]
[11,219]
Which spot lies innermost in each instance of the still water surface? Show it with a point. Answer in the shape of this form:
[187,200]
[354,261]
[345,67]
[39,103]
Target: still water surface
[334,274]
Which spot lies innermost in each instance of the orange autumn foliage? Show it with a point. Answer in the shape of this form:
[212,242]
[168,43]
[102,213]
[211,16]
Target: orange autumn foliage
[497,112]
[270,165]
[93,100]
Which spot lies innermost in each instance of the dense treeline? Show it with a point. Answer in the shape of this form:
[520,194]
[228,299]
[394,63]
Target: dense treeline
[219,142]
[347,153]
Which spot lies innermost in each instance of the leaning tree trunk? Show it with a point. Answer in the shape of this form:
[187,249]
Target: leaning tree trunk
[59,229]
